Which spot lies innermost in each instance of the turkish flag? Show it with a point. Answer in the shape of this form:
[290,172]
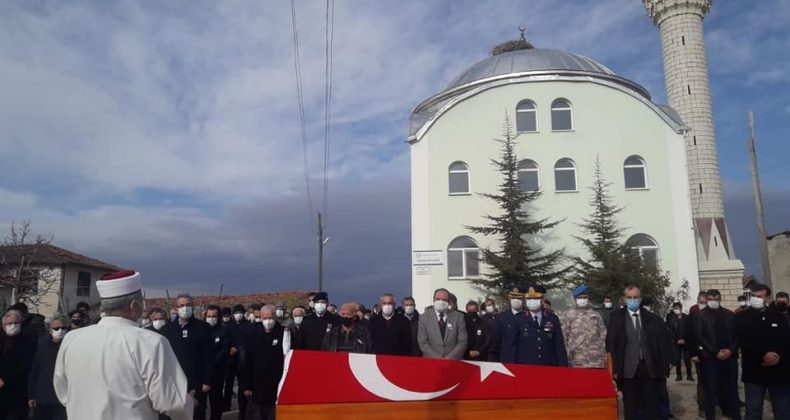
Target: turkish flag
[359,378]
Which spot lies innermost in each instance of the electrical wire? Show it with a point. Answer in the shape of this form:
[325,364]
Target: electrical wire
[300,97]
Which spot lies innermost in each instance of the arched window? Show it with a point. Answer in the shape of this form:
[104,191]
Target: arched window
[644,247]
[565,175]
[528,178]
[463,258]
[526,116]
[561,115]
[459,178]
[635,173]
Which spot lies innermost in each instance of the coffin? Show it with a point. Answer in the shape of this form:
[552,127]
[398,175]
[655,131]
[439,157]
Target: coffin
[321,385]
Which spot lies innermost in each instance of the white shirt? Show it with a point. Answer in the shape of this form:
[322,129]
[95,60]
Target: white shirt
[117,370]
[634,318]
[538,314]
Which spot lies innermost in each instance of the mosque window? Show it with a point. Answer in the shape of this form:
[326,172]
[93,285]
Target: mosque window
[459,178]
[565,175]
[644,247]
[463,258]
[526,117]
[635,173]
[528,175]
[561,115]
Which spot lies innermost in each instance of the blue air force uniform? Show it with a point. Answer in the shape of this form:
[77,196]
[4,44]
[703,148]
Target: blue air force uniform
[536,343]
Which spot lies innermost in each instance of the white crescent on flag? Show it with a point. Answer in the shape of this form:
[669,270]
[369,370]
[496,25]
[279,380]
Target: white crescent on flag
[366,371]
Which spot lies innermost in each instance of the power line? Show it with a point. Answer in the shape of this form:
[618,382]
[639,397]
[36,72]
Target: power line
[329,65]
[300,97]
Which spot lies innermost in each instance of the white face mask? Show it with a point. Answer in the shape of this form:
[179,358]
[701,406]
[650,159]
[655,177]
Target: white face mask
[582,302]
[714,304]
[279,313]
[516,304]
[756,302]
[158,324]
[742,303]
[226,319]
[534,305]
[408,309]
[57,335]
[441,306]
[320,307]
[12,329]
[268,324]
[677,311]
[185,312]
[298,320]
[489,309]
[702,306]
[238,316]
[212,320]
[607,305]
[387,310]
[256,320]
[145,323]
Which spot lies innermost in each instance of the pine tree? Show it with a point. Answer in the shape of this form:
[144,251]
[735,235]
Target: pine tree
[520,261]
[611,265]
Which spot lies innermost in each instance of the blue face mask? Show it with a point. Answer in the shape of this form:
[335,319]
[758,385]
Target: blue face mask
[633,304]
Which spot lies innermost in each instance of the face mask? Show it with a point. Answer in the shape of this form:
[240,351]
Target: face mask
[145,322]
[516,304]
[534,304]
[158,324]
[676,311]
[489,309]
[387,310]
[238,317]
[702,306]
[211,321]
[57,335]
[268,324]
[757,302]
[408,309]
[781,305]
[12,329]
[298,320]
[714,304]
[742,303]
[279,313]
[472,314]
[441,306]
[185,312]
[102,314]
[582,303]
[173,317]
[226,319]
[320,308]
[256,320]
[607,305]
[347,322]
[633,304]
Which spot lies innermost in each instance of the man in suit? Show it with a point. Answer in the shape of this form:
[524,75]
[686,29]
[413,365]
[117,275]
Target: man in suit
[442,333]
[389,330]
[504,328]
[641,355]
[714,328]
[411,314]
[536,337]
[478,339]
[676,322]
[315,326]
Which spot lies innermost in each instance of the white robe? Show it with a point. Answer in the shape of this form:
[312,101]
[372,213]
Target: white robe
[117,370]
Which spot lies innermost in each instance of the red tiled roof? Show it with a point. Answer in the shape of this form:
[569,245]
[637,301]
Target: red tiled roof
[290,299]
[48,254]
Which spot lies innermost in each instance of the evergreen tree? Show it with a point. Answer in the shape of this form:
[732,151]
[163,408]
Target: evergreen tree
[520,261]
[611,265]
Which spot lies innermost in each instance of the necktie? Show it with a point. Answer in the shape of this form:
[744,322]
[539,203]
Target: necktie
[442,325]
[638,326]
[536,321]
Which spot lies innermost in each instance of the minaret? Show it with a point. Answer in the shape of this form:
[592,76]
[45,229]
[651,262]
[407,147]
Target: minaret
[688,92]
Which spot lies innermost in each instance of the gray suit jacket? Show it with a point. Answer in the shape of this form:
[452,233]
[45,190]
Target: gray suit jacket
[430,338]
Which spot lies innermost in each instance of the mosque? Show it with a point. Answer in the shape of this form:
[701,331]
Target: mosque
[568,112]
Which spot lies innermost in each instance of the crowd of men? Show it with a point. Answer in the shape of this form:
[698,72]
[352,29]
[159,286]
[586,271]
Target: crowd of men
[188,366]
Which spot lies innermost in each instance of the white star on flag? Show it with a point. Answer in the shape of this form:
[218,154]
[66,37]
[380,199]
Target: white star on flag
[487,368]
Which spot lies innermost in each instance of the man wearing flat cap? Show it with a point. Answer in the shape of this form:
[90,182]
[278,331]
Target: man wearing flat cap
[585,333]
[538,338]
[315,326]
[132,372]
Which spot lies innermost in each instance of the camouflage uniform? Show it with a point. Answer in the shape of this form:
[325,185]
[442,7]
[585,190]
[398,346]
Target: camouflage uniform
[585,338]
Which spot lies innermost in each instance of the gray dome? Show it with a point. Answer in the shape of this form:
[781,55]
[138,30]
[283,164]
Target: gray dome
[528,60]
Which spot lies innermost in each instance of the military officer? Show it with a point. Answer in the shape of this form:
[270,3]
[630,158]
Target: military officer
[538,338]
[503,331]
[585,333]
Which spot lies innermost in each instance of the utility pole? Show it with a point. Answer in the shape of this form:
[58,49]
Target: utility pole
[320,254]
[758,204]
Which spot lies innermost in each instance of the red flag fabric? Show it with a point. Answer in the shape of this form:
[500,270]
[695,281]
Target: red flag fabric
[371,378]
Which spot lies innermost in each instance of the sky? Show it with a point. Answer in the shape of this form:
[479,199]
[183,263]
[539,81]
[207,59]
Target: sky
[165,136]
